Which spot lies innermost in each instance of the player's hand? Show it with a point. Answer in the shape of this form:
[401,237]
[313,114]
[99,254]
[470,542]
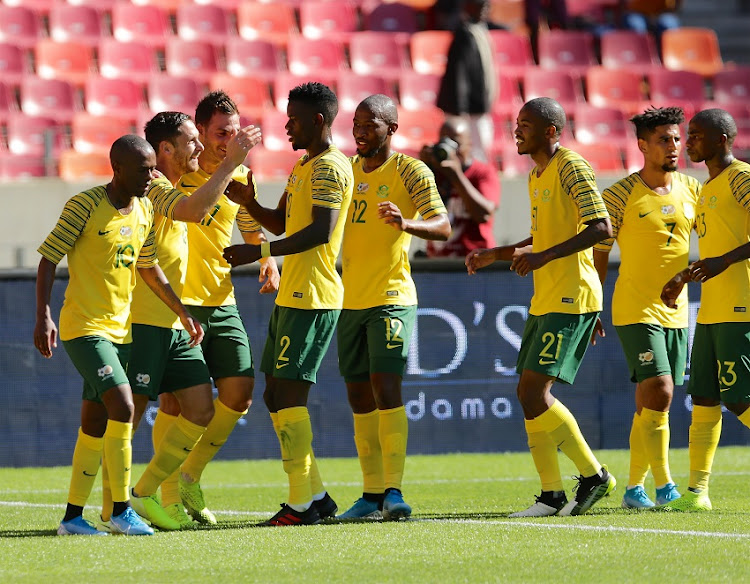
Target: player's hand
[245,253]
[598,331]
[269,276]
[241,143]
[193,328]
[524,261]
[477,259]
[391,214]
[427,156]
[45,336]
[672,289]
[451,166]
[705,269]
[242,194]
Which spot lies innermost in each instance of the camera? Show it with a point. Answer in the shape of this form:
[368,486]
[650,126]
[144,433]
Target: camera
[442,150]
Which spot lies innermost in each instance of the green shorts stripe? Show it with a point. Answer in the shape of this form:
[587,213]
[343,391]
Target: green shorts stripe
[101,363]
[225,345]
[554,344]
[652,350]
[720,362]
[374,340]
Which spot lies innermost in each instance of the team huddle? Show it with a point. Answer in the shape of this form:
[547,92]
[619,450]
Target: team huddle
[150,312]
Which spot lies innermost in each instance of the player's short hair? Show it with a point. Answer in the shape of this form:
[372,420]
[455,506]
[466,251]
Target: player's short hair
[549,111]
[215,102]
[164,126]
[653,117]
[382,107]
[718,120]
[125,147]
[318,96]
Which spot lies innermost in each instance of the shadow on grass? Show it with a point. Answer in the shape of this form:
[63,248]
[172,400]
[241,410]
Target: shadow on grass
[8,533]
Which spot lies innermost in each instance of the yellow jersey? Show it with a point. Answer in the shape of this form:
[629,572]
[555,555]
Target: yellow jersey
[209,281]
[563,199]
[723,224]
[309,279]
[104,247]
[653,232]
[172,254]
[375,256]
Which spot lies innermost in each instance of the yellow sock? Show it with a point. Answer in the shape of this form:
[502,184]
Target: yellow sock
[106,490]
[367,440]
[295,437]
[177,443]
[563,429]
[170,493]
[394,433]
[216,434]
[655,434]
[119,452]
[86,458]
[638,456]
[705,431]
[316,482]
[544,453]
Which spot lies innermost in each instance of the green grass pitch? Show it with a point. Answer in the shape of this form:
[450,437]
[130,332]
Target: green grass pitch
[459,531]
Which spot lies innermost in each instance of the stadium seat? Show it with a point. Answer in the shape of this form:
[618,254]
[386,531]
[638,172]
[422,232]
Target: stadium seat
[143,24]
[272,124]
[559,85]
[378,53]
[272,166]
[621,89]
[169,6]
[512,53]
[81,24]
[90,133]
[257,58]
[78,166]
[390,17]
[597,125]
[13,64]
[203,23]
[680,87]
[34,136]
[8,104]
[509,100]
[19,26]
[732,85]
[133,61]
[194,59]
[509,13]
[629,50]
[168,93]
[266,22]
[352,88]
[513,163]
[341,131]
[429,51]
[328,20]
[51,98]
[415,129]
[315,57]
[567,50]
[285,81]
[251,94]
[21,167]
[692,49]
[68,61]
[40,7]
[100,5]
[418,91]
[603,156]
[121,98]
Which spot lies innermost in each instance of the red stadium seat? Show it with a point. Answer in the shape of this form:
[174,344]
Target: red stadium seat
[19,26]
[567,50]
[272,124]
[78,166]
[100,5]
[194,59]
[629,50]
[509,101]
[21,167]
[595,125]
[378,53]
[315,57]
[418,91]
[13,65]
[341,132]
[387,17]
[351,89]
[8,104]
[251,94]
[692,49]
[170,6]
[603,156]
[415,129]
[121,98]
[679,87]
[40,7]
[92,133]
[204,23]
[328,20]
[284,82]
[51,98]
[429,51]
[512,53]
[143,24]
[621,89]
[732,85]
[34,136]
[513,163]
[67,61]
[272,166]
[168,93]
[559,85]
[510,14]
[81,24]
[274,23]
[258,58]
[133,61]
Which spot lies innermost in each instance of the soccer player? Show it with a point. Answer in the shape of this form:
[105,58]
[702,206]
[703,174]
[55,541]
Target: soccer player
[652,213]
[568,217]
[312,211]
[107,233]
[209,295]
[719,372]
[380,299]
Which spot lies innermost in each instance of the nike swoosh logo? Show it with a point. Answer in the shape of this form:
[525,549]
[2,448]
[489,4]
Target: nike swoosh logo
[89,475]
[389,346]
[642,215]
[104,232]
[187,449]
[127,469]
[281,366]
[544,362]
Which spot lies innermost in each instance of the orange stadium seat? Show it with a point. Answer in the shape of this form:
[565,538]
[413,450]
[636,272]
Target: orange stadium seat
[509,13]
[251,94]
[143,24]
[69,61]
[267,22]
[352,88]
[732,85]
[621,89]
[328,20]
[122,98]
[418,91]
[378,53]
[316,57]
[559,85]
[8,104]
[626,49]
[205,23]
[168,93]
[272,124]
[415,129]
[78,166]
[134,61]
[512,53]
[19,26]
[271,165]
[680,87]
[81,24]
[13,64]
[509,101]
[602,156]
[390,17]
[429,51]
[90,133]
[596,125]
[194,59]
[692,49]
[259,58]
[567,50]
[20,166]
[285,81]
[34,136]
[52,98]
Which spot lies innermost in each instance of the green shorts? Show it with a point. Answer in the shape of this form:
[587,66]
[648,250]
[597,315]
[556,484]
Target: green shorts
[226,348]
[652,350]
[374,340]
[162,361]
[297,342]
[720,362]
[554,344]
[101,363]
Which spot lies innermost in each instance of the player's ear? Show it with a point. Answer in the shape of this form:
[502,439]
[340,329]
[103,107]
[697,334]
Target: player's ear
[642,145]
[392,127]
[166,147]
